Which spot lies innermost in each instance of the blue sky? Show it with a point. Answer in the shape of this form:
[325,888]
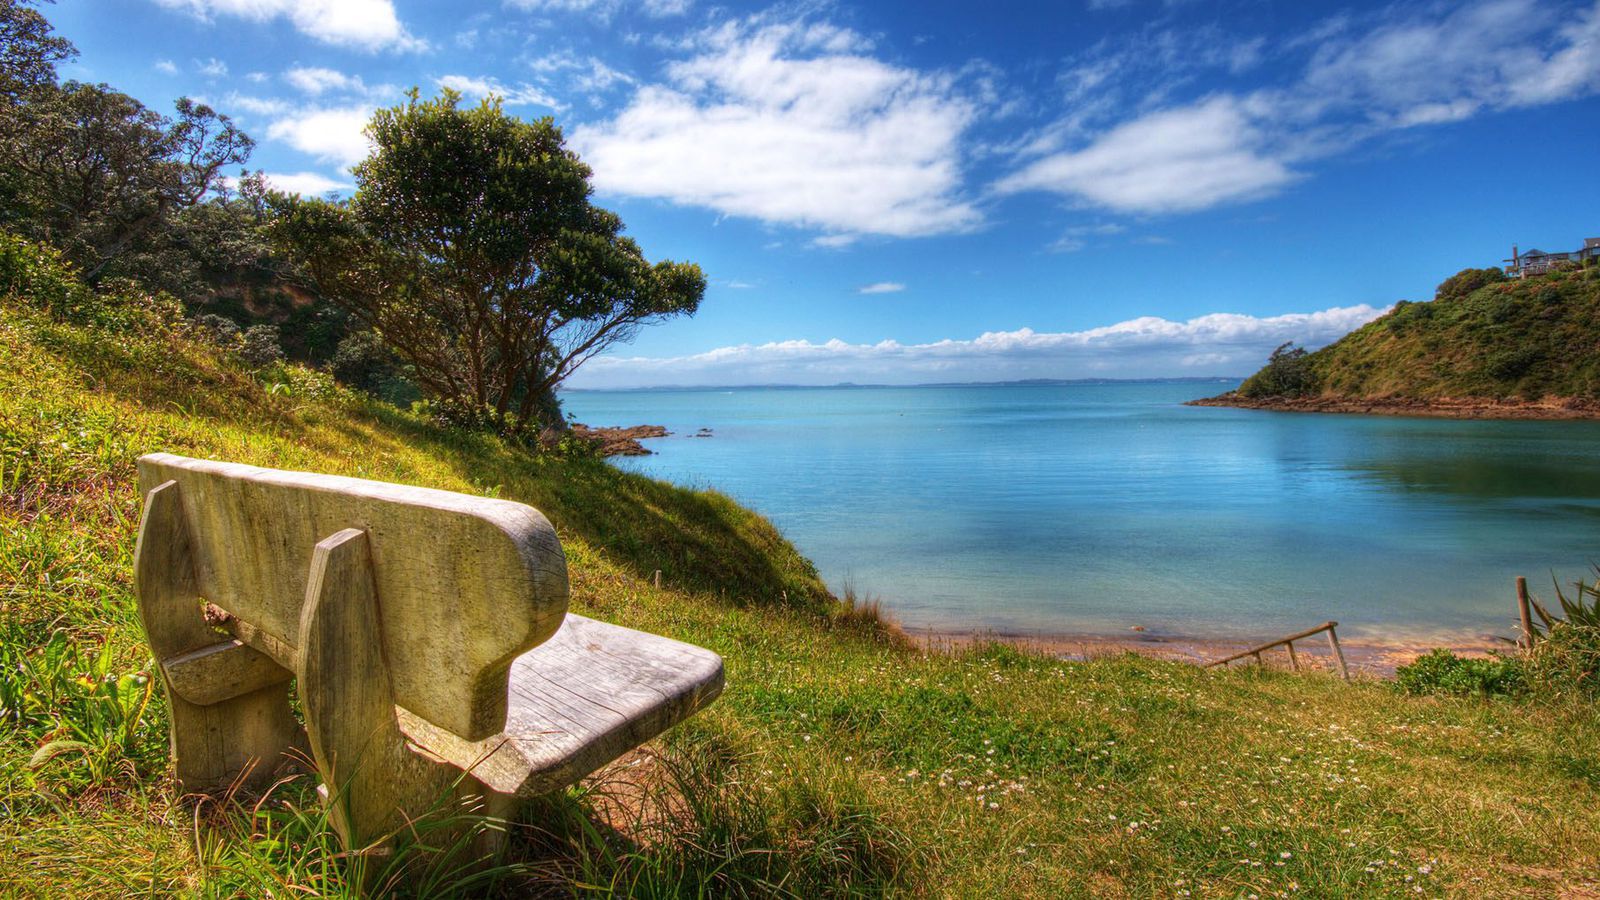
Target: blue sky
[938,191]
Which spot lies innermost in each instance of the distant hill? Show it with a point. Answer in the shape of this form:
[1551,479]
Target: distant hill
[1485,345]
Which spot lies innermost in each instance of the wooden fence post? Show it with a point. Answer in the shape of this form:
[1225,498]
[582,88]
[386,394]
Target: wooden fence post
[1333,641]
[1294,661]
[658,579]
[1526,614]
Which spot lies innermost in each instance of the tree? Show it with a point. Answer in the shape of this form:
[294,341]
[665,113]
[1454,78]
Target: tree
[471,247]
[1288,373]
[29,50]
[99,175]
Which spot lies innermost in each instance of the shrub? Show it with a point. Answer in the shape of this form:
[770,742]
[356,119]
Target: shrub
[1443,672]
[220,329]
[1566,649]
[1287,373]
[261,346]
[1466,281]
[39,276]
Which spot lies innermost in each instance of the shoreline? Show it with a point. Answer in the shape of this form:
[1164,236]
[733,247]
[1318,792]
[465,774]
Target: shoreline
[1363,656]
[615,441]
[1441,408]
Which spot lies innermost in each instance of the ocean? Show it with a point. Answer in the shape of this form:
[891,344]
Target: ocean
[1095,508]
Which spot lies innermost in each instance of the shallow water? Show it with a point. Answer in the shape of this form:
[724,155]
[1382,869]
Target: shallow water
[1094,508]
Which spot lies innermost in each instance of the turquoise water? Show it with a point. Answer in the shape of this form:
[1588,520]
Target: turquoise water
[1093,508]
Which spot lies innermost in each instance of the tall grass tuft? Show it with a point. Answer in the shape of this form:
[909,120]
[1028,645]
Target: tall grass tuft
[701,821]
[1565,656]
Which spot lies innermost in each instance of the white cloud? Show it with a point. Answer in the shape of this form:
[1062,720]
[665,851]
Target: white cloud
[166,67]
[663,8]
[603,9]
[211,68]
[793,124]
[1216,344]
[309,183]
[588,75]
[1397,70]
[260,106]
[1077,237]
[1173,161]
[881,287]
[364,24]
[521,95]
[316,80]
[331,134]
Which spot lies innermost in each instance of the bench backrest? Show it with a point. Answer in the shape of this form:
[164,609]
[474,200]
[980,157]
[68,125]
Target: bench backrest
[464,584]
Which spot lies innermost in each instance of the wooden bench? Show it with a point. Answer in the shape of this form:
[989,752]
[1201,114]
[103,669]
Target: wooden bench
[426,632]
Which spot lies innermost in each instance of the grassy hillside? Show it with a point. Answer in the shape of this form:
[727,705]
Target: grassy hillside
[1483,336]
[839,762]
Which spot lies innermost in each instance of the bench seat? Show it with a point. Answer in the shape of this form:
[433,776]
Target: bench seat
[590,693]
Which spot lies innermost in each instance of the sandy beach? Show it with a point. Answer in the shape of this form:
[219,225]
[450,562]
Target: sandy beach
[1363,655]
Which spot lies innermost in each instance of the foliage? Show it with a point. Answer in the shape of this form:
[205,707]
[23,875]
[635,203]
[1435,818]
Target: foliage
[1443,672]
[365,363]
[29,50]
[1485,338]
[1466,281]
[1566,648]
[103,177]
[261,346]
[1287,373]
[472,248]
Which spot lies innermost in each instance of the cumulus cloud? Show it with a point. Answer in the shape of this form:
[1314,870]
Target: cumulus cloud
[331,134]
[316,80]
[1216,344]
[211,68]
[1397,70]
[310,183]
[166,67]
[881,287]
[521,95]
[794,124]
[363,24]
[1171,161]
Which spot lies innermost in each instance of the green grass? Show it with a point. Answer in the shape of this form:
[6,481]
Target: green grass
[1482,337]
[840,761]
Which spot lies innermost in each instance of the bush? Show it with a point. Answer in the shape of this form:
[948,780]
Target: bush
[1443,672]
[1466,281]
[1566,649]
[39,276]
[1287,373]
[219,329]
[261,346]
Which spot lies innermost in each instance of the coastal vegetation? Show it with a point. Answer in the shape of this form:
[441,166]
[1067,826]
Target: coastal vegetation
[842,759]
[1484,341]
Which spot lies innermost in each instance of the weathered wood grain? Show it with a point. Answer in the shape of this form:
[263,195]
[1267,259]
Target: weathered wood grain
[235,736]
[586,696]
[223,671]
[498,563]
[375,785]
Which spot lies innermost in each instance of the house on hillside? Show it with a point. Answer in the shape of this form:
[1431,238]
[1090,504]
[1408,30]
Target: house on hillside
[1538,262]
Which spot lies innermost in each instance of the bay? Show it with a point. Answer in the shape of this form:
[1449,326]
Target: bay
[1091,508]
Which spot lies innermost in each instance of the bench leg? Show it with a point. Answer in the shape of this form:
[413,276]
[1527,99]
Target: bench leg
[377,786]
[238,740]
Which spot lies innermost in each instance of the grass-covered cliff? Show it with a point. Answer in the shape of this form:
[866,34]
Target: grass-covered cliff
[840,762]
[1483,340]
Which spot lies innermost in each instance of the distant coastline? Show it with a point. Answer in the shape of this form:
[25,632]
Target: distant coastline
[850,385]
[1565,408]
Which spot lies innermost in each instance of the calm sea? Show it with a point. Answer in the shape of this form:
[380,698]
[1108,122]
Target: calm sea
[1094,508]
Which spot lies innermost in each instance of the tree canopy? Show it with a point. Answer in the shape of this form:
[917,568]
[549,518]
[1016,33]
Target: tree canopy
[93,171]
[471,246]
